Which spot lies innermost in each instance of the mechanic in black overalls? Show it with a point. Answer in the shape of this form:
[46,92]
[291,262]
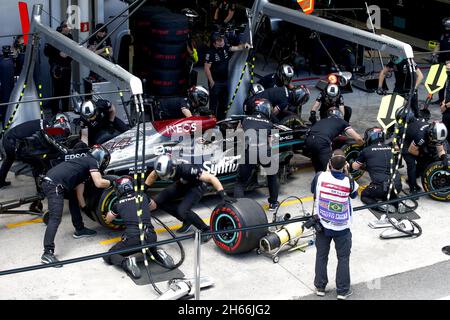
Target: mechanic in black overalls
[179,107]
[281,78]
[402,80]
[445,105]
[284,101]
[126,208]
[60,71]
[423,143]
[259,122]
[216,69]
[66,178]
[321,135]
[329,98]
[189,186]
[105,50]
[443,57]
[376,158]
[248,106]
[97,118]
[11,141]
[225,12]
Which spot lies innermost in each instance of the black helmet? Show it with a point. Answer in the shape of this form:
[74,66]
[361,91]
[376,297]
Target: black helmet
[405,115]
[62,124]
[335,113]
[89,110]
[165,167]
[299,96]
[285,73]
[396,59]
[124,186]
[437,132]
[263,107]
[102,155]
[374,135]
[216,36]
[256,88]
[198,96]
[425,114]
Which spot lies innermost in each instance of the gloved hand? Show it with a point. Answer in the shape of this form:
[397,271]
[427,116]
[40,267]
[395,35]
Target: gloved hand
[226,198]
[381,91]
[444,159]
[312,117]
[111,180]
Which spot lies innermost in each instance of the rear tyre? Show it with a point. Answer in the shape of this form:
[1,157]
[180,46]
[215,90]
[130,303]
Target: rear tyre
[241,214]
[352,152]
[437,177]
[107,199]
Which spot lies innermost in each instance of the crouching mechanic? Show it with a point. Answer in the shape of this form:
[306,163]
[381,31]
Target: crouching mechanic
[376,158]
[321,135]
[258,122]
[332,192]
[96,118]
[189,186]
[66,178]
[126,208]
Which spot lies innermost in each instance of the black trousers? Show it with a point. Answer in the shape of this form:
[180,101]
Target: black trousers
[61,87]
[55,197]
[218,99]
[414,101]
[243,177]
[320,150]
[343,245]
[191,195]
[376,192]
[415,167]
[9,145]
[446,121]
[125,243]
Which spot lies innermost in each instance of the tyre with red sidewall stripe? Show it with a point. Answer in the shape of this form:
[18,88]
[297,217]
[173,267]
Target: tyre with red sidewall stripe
[240,214]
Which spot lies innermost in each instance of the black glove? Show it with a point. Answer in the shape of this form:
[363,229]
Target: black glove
[381,91]
[226,198]
[312,117]
[111,180]
[444,159]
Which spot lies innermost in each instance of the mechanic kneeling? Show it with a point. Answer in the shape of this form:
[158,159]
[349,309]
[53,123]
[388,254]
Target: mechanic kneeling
[189,186]
[321,135]
[423,145]
[376,157]
[13,136]
[126,208]
[179,107]
[258,122]
[97,118]
[66,178]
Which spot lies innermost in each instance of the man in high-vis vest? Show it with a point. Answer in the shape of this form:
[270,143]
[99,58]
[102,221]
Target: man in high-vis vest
[332,192]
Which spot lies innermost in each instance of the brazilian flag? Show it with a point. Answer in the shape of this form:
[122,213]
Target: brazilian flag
[336,207]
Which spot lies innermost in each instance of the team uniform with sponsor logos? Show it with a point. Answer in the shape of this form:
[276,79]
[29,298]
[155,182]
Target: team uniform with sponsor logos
[171,108]
[60,180]
[189,189]
[263,129]
[333,191]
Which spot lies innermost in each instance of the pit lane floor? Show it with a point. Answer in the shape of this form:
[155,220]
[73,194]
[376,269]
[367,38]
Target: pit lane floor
[380,269]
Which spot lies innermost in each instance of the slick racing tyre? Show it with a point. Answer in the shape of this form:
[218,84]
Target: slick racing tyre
[168,56]
[293,122]
[240,214]
[169,28]
[107,199]
[352,152]
[437,177]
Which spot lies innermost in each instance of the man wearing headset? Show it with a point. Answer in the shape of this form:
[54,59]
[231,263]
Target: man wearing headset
[189,185]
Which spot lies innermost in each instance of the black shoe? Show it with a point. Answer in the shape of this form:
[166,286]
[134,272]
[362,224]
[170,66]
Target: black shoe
[49,257]
[415,190]
[4,184]
[185,228]
[131,268]
[205,238]
[84,233]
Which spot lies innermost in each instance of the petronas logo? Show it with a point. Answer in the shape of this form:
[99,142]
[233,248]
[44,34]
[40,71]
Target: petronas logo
[336,207]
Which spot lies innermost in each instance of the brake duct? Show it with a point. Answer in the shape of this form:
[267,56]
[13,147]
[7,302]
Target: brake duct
[25,88]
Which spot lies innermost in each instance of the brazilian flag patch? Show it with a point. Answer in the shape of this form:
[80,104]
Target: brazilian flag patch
[336,207]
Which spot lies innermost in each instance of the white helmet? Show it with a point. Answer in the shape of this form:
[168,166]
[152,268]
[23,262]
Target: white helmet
[165,167]
[89,110]
[256,88]
[333,90]
[437,132]
[285,73]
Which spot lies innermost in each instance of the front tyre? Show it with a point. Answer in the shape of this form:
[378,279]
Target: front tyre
[437,177]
